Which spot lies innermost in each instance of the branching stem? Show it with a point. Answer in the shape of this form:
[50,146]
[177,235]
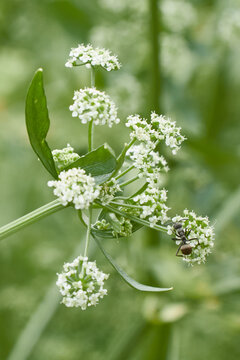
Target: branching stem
[133,218]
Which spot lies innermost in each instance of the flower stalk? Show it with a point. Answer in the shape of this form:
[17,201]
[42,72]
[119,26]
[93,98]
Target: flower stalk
[129,181]
[88,232]
[30,218]
[90,147]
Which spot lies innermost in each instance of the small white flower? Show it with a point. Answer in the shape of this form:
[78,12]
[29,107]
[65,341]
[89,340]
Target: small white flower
[141,130]
[94,105]
[88,56]
[75,186]
[64,157]
[149,163]
[152,205]
[81,283]
[201,230]
[168,131]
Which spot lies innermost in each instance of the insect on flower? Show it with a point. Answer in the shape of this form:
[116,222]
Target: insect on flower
[182,235]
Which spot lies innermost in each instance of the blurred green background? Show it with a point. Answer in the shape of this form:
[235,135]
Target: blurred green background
[180,58]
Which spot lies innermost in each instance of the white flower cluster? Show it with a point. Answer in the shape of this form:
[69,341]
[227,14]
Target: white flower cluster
[141,130]
[148,162]
[153,205]
[87,55]
[91,104]
[108,190]
[168,130]
[160,128]
[64,157]
[201,230]
[75,186]
[81,283]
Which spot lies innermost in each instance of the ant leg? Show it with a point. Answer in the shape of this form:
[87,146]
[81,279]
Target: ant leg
[168,223]
[183,219]
[179,250]
[187,233]
[194,239]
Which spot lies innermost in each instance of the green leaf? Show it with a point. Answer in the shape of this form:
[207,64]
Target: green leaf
[121,158]
[100,163]
[37,122]
[133,283]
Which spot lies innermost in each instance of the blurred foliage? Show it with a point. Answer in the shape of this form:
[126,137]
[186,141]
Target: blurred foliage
[180,58]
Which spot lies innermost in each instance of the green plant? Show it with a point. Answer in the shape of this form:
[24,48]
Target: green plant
[97,182]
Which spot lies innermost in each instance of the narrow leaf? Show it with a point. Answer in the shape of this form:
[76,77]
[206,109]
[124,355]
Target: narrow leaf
[133,283]
[100,163]
[37,122]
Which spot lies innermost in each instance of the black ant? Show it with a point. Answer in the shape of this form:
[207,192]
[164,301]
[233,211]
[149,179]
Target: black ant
[182,235]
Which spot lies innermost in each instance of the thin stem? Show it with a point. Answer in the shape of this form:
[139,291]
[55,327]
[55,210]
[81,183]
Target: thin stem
[92,76]
[121,157]
[125,205]
[133,218]
[121,197]
[126,147]
[90,147]
[30,218]
[88,232]
[155,32]
[124,172]
[90,136]
[90,126]
[129,181]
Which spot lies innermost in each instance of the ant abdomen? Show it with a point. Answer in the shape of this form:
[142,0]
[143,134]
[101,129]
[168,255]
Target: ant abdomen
[186,249]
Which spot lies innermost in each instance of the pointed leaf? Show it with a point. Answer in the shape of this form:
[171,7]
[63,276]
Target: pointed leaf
[37,122]
[100,163]
[133,283]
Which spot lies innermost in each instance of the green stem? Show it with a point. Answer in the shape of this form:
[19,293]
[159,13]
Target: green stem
[155,31]
[90,147]
[126,148]
[124,172]
[30,218]
[121,198]
[90,126]
[125,205]
[129,181]
[92,76]
[133,218]
[90,136]
[88,232]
